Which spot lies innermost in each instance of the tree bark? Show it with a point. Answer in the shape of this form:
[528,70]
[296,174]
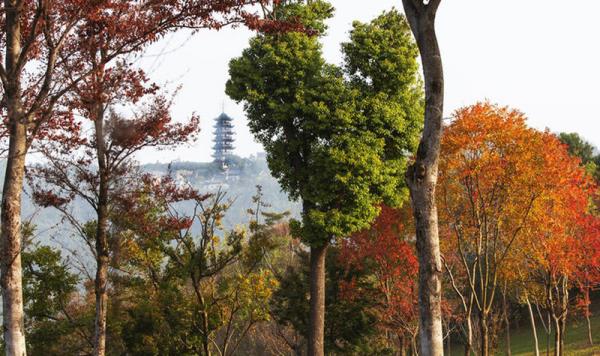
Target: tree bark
[557,337]
[558,301]
[506,321]
[102,248]
[469,336]
[316,332]
[565,310]
[533,328]
[563,329]
[484,329]
[10,244]
[422,176]
[12,289]
[548,335]
[589,327]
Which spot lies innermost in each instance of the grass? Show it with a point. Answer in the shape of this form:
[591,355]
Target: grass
[576,342]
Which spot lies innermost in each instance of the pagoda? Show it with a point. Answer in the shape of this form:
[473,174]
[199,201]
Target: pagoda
[223,139]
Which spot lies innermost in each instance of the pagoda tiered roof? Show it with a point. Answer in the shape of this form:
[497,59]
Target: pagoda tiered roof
[223,139]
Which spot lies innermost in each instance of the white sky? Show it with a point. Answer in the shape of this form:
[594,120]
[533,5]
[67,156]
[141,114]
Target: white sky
[539,56]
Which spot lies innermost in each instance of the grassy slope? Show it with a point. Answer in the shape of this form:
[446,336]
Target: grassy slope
[575,342]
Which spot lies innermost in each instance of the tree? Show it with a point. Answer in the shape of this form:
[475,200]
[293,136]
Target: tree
[326,141]
[487,191]
[101,169]
[500,219]
[578,147]
[559,215]
[422,175]
[350,320]
[584,150]
[209,291]
[389,277]
[48,286]
[32,31]
[587,275]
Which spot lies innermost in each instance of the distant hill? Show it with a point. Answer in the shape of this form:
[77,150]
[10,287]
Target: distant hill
[239,183]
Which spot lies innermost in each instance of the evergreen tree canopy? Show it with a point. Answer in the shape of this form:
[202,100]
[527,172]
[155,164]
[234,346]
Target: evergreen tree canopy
[338,138]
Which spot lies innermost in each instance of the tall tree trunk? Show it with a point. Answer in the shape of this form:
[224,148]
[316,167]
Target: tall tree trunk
[485,335]
[565,307]
[422,176]
[548,335]
[10,244]
[587,315]
[316,332]
[560,313]
[469,342]
[557,337]
[563,333]
[101,283]
[12,289]
[102,248]
[589,327]
[506,321]
[533,328]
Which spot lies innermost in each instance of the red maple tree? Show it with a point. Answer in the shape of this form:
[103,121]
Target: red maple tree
[386,253]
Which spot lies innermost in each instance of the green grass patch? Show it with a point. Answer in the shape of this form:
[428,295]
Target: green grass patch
[576,341]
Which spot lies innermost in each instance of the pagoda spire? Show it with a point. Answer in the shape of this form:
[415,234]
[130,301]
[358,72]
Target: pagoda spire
[223,139]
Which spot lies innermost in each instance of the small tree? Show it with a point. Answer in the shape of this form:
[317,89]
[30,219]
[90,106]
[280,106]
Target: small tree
[390,269]
[208,290]
[339,146]
[48,287]
[101,170]
[587,275]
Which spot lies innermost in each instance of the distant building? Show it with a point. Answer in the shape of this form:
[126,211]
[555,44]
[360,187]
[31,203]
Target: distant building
[223,139]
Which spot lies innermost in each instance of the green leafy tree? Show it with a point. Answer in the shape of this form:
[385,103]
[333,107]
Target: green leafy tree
[584,150]
[48,286]
[350,323]
[196,294]
[578,146]
[336,138]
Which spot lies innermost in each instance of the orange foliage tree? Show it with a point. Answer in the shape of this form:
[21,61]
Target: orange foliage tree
[587,275]
[561,252]
[505,189]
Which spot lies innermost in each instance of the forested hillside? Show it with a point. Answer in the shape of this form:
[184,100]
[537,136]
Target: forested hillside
[239,184]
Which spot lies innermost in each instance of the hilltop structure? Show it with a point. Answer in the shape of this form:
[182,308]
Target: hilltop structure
[223,139]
